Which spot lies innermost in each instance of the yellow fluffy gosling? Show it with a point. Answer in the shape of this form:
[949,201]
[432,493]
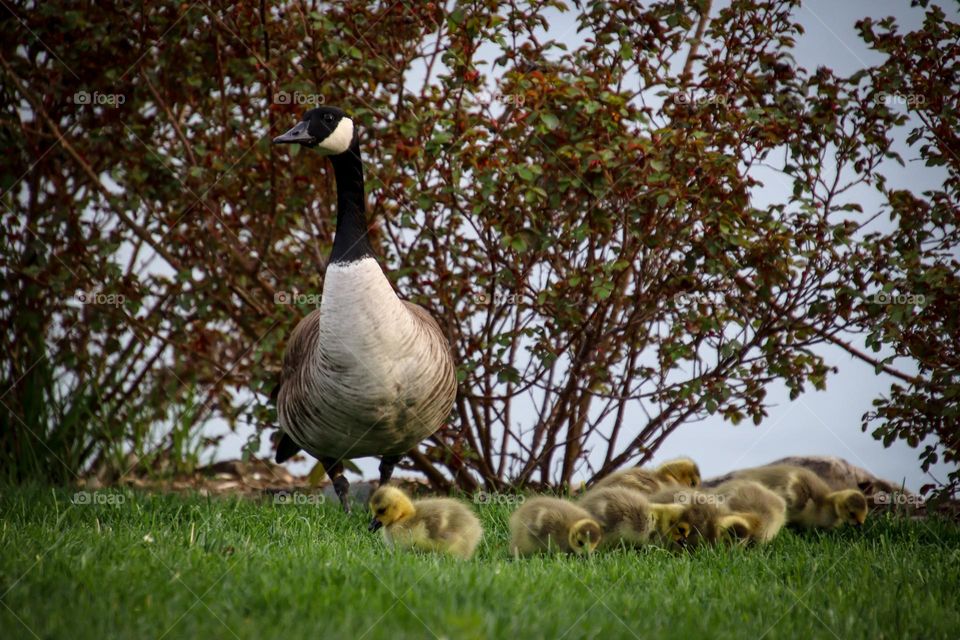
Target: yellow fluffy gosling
[432,524]
[688,519]
[627,516]
[682,472]
[764,510]
[810,502]
[552,524]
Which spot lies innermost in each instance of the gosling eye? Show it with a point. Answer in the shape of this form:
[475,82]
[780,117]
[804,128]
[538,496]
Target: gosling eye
[381,511]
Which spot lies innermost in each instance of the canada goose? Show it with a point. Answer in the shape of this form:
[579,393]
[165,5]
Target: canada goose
[432,524]
[552,524]
[682,472]
[810,502]
[624,515]
[687,519]
[765,511]
[367,373]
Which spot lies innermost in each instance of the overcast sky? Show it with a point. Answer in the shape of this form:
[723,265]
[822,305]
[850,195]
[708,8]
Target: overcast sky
[819,422]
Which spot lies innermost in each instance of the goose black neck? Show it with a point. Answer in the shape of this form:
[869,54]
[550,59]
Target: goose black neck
[351,243]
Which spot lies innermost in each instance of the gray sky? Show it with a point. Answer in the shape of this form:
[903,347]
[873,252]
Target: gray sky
[818,422]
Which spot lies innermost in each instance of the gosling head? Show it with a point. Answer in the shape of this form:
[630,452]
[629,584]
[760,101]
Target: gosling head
[584,536]
[694,525]
[682,471]
[329,129]
[389,505]
[850,506]
[697,524]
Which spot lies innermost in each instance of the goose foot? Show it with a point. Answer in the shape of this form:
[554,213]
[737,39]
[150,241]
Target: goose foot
[340,484]
[387,463]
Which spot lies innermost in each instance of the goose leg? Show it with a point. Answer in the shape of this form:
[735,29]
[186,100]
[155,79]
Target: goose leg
[340,484]
[387,463]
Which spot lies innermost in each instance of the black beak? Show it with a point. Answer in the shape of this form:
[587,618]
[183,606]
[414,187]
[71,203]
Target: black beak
[298,135]
[374,525]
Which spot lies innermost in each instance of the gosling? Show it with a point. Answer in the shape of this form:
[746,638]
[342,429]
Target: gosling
[438,525]
[551,524]
[764,510]
[810,502]
[688,519]
[682,472]
[625,516]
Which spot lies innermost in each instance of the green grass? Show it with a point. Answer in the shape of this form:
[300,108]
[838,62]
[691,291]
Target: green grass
[191,567]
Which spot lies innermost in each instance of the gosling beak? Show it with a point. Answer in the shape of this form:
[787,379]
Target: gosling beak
[298,135]
[374,525]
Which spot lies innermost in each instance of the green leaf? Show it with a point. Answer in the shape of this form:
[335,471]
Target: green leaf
[550,120]
[602,289]
[525,173]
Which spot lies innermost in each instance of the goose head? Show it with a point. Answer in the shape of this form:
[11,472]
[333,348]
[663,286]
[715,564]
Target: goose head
[329,129]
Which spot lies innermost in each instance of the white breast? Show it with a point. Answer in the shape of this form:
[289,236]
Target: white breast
[363,324]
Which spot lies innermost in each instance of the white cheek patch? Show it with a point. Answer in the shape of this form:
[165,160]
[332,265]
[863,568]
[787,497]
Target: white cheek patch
[339,141]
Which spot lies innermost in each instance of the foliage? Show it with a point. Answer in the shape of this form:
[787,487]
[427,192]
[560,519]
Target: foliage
[586,223]
[916,263]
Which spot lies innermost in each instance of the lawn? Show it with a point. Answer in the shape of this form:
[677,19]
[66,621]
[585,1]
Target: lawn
[141,565]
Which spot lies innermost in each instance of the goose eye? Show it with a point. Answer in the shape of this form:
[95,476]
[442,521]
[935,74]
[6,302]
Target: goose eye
[381,511]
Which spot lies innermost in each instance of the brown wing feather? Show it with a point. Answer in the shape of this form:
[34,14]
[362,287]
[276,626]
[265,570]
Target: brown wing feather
[428,321]
[303,339]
